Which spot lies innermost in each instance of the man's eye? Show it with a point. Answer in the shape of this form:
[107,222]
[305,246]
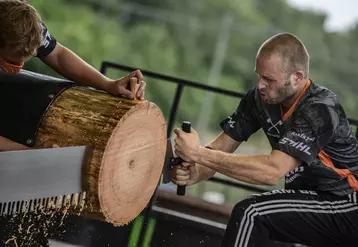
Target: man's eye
[267,79]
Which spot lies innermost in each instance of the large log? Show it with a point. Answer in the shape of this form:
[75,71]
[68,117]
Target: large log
[128,139]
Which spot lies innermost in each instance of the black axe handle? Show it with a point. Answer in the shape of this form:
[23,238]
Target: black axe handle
[186,126]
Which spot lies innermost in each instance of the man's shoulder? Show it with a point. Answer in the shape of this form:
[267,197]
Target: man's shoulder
[321,105]
[320,95]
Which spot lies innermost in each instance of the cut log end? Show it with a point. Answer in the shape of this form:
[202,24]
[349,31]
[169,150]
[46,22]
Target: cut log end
[132,163]
[128,139]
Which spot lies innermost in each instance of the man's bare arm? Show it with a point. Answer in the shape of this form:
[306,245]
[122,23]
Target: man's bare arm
[71,66]
[223,143]
[257,169]
[8,145]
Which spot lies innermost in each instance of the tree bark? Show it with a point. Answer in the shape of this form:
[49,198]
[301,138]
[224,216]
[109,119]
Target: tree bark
[128,139]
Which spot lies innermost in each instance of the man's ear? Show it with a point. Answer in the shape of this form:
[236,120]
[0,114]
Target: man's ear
[297,77]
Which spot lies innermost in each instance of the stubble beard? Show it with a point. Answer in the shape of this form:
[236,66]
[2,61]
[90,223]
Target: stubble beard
[287,92]
[283,94]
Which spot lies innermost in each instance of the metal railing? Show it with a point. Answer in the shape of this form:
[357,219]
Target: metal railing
[181,83]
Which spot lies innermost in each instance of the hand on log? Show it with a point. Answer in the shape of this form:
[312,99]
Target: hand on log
[131,86]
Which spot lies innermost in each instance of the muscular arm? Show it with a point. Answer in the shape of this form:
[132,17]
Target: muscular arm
[257,169]
[71,66]
[8,145]
[223,143]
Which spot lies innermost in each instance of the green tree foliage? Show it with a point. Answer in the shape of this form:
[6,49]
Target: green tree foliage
[179,38]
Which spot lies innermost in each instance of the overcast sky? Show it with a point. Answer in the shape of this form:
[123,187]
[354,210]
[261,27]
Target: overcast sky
[341,13]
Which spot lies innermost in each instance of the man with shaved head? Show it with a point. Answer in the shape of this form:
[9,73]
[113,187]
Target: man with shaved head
[313,148]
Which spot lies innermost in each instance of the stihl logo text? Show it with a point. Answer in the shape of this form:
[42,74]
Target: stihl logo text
[298,145]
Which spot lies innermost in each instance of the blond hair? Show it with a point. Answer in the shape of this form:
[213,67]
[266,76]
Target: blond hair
[20,28]
[292,51]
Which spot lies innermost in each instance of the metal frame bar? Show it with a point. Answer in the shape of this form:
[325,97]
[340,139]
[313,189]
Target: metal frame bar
[181,83]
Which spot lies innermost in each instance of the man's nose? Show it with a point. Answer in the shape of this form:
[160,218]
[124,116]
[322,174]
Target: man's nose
[260,84]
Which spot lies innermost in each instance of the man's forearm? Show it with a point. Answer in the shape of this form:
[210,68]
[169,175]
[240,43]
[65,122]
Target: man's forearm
[250,169]
[8,145]
[204,173]
[71,66]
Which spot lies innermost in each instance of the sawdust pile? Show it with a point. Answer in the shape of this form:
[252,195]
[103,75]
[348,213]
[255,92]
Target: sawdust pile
[34,227]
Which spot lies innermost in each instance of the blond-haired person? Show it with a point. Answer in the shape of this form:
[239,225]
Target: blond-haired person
[24,35]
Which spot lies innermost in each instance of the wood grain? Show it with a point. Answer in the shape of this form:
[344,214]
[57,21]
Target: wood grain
[128,139]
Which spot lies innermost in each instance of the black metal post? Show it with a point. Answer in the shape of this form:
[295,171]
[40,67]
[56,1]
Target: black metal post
[173,111]
[103,68]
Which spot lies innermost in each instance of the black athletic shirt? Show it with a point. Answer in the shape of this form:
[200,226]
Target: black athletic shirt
[315,131]
[49,43]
